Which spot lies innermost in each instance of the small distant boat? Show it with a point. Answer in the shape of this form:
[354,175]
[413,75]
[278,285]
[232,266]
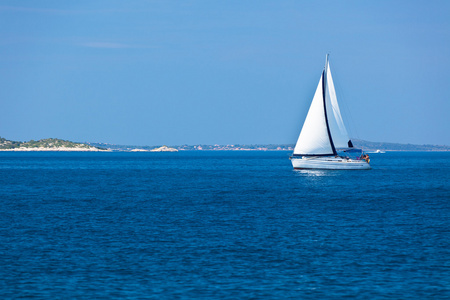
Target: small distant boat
[323,142]
[377,151]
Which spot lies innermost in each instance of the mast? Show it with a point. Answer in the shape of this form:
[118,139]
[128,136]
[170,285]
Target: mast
[324,85]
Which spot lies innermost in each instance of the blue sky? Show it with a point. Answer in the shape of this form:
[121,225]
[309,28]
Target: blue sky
[221,72]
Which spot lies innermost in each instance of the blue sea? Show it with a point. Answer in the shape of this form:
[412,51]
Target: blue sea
[222,225]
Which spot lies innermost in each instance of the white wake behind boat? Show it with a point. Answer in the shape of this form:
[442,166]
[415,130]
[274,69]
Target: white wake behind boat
[323,142]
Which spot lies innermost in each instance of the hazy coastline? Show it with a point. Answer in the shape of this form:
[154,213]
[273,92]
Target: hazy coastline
[52,144]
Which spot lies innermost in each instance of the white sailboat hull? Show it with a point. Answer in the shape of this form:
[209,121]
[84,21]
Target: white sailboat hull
[329,163]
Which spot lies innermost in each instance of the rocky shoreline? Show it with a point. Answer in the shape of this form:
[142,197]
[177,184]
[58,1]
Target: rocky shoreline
[160,149]
[63,149]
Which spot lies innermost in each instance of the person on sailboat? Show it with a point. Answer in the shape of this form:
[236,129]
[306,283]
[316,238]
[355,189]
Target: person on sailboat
[365,157]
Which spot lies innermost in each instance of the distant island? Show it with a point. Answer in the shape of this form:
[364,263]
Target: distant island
[46,145]
[374,146]
[159,149]
[53,144]
[164,149]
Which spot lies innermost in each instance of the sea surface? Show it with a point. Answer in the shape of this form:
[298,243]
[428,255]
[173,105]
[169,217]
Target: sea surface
[222,225]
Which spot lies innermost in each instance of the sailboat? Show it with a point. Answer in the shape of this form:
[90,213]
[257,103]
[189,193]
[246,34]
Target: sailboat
[323,142]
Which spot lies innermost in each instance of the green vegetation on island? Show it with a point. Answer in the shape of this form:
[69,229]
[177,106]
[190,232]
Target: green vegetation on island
[44,143]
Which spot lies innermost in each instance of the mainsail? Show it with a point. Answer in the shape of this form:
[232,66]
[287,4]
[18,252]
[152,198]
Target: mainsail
[324,129]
